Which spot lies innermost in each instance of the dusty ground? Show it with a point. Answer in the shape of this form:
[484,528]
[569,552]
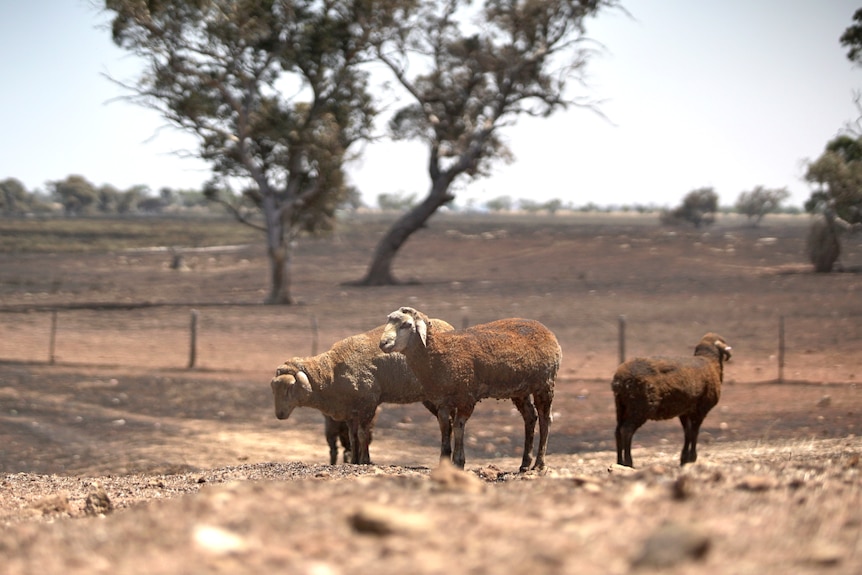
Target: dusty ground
[116,458]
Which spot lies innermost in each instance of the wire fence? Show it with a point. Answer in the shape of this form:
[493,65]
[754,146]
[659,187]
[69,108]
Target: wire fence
[258,338]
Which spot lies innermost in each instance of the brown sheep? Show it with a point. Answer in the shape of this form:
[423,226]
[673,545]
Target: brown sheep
[656,388]
[347,383]
[515,359]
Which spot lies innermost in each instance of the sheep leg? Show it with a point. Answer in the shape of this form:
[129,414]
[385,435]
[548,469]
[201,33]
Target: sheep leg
[691,428]
[624,433]
[332,431]
[360,436]
[528,412]
[355,451]
[462,414]
[444,420]
[543,399]
[344,436]
[624,456]
[618,436]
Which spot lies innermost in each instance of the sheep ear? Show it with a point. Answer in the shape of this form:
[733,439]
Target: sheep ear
[422,330]
[302,379]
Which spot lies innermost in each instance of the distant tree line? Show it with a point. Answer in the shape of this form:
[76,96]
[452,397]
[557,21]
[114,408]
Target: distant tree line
[77,196]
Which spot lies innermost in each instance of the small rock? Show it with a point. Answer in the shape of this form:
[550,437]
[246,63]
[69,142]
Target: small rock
[672,544]
[382,520]
[825,554]
[824,401]
[624,470]
[97,501]
[448,476]
[218,541]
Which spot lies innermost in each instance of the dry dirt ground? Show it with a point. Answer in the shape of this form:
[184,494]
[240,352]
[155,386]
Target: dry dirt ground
[116,458]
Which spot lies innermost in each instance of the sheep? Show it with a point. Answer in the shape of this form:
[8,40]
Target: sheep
[656,388]
[347,383]
[515,359]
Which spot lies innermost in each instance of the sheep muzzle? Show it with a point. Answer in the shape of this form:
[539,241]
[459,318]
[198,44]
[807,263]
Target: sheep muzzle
[282,391]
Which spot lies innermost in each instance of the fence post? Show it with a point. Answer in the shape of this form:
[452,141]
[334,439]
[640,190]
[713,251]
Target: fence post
[193,343]
[53,338]
[781,349]
[622,338]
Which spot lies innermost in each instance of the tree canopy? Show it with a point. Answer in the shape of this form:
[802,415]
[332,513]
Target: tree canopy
[271,91]
[698,207]
[756,203]
[837,179]
[468,71]
[852,38]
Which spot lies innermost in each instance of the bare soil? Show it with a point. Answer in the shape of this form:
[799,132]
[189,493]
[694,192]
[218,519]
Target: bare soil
[115,457]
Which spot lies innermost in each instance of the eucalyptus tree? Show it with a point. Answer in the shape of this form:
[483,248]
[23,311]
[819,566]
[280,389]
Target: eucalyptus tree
[76,194]
[837,198]
[469,70]
[758,202]
[14,197]
[270,90]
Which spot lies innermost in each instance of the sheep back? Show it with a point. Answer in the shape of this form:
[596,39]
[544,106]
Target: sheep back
[666,387]
[354,374]
[500,359]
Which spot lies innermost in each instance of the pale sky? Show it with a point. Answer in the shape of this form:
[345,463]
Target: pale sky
[729,94]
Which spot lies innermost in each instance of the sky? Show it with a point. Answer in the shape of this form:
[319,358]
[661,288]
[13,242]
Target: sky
[730,95]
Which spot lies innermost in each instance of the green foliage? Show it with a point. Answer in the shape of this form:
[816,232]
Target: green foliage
[470,70]
[218,68]
[499,204]
[77,195]
[473,82]
[533,206]
[837,198]
[698,207]
[14,198]
[852,38]
[755,204]
[396,202]
[837,179]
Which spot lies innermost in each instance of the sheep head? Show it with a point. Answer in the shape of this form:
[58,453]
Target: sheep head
[711,342]
[289,387]
[401,326]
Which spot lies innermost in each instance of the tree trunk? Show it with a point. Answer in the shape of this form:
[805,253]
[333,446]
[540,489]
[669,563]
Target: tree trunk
[280,260]
[280,253]
[380,270]
[823,245]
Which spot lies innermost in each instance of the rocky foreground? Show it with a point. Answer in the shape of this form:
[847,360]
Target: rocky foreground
[745,508]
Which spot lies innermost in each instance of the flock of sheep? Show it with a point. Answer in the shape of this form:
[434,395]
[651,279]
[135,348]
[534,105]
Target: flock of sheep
[413,358]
